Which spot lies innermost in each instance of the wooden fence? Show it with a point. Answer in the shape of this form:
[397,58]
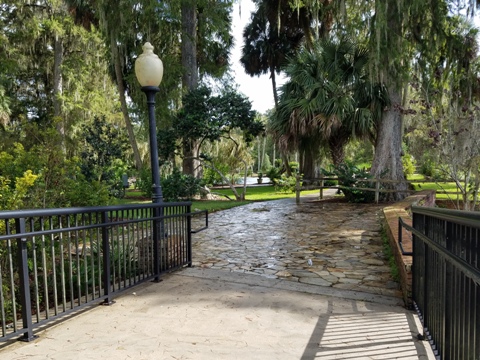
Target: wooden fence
[319,184]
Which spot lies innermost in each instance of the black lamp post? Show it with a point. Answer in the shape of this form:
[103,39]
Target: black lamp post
[149,72]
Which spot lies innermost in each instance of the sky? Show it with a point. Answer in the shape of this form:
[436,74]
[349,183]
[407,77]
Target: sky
[257,89]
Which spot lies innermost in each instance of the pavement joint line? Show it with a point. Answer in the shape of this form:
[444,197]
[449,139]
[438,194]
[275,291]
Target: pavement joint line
[280,284]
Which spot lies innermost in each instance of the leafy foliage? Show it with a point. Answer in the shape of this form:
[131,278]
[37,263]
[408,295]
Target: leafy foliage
[105,147]
[207,117]
[178,186]
[175,187]
[286,184]
[274,174]
[351,178]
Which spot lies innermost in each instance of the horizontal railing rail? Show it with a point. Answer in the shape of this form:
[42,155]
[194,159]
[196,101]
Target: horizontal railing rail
[446,279]
[403,225]
[57,261]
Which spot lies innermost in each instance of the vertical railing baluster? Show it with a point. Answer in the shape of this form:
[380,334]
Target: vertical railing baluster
[54,267]
[95,234]
[24,287]
[189,236]
[106,258]
[46,300]
[36,287]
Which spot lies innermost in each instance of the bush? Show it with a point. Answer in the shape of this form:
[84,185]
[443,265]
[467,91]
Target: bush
[211,177]
[286,183]
[428,167]
[408,163]
[352,177]
[294,166]
[178,186]
[80,192]
[274,174]
[144,182]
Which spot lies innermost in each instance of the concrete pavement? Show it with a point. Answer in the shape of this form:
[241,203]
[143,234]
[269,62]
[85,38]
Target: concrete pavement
[212,314]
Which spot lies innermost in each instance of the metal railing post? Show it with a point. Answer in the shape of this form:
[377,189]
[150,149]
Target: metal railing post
[25,299]
[156,240]
[106,259]
[189,236]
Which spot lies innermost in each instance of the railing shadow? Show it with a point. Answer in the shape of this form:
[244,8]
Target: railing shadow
[361,334]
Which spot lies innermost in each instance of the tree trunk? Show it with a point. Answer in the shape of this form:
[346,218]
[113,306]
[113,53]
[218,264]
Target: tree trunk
[307,164]
[190,76]
[259,160]
[58,91]
[189,44]
[263,151]
[286,165]
[337,150]
[274,85]
[274,155]
[123,103]
[387,161]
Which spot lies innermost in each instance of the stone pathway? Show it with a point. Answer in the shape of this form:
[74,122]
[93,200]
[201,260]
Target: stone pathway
[322,243]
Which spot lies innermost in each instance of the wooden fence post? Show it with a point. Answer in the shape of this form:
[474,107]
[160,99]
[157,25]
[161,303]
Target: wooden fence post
[321,188]
[377,190]
[297,188]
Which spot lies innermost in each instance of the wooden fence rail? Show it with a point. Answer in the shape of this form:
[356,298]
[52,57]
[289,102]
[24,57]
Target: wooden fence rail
[377,189]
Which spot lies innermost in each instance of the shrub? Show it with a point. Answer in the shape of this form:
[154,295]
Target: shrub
[408,163]
[80,192]
[274,174]
[178,186]
[428,167]
[351,177]
[294,166]
[286,183]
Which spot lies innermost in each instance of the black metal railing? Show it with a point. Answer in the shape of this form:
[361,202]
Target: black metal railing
[446,280]
[57,261]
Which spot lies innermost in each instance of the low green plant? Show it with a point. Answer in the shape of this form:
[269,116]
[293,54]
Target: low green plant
[179,186]
[351,178]
[387,250]
[428,167]
[14,197]
[294,166]
[286,184]
[144,182]
[274,173]
[408,163]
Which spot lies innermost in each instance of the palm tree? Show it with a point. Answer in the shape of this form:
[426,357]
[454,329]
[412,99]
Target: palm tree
[276,32]
[328,99]
[267,42]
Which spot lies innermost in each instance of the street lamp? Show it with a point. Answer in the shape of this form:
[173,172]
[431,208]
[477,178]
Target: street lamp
[149,72]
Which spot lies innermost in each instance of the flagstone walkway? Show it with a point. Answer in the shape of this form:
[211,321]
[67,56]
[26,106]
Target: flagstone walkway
[324,243]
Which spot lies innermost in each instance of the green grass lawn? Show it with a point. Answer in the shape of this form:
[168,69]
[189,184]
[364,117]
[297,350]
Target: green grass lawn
[440,187]
[261,193]
[254,193]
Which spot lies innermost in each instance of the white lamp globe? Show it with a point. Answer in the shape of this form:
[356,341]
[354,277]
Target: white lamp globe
[148,67]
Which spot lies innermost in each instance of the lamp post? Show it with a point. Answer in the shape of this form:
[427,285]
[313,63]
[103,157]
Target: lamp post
[149,72]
